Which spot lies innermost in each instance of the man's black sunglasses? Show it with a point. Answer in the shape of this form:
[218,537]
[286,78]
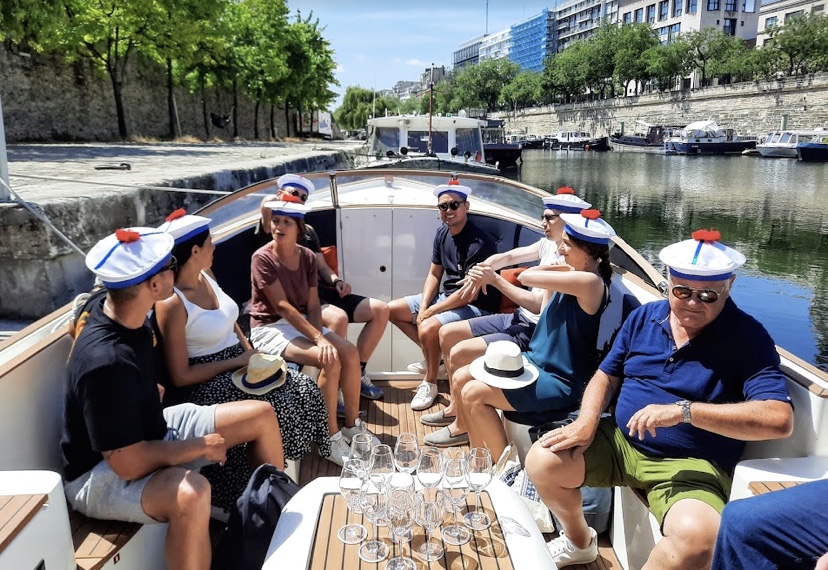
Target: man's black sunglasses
[298,193]
[173,266]
[703,295]
[454,204]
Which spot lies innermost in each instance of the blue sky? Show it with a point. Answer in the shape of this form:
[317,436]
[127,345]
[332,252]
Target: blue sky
[378,43]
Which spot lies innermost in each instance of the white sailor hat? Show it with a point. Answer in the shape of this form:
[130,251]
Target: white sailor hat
[702,258]
[588,226]
[129,256]
[182,226]
[287,180]
[288,206]
[455,188]
[565,201]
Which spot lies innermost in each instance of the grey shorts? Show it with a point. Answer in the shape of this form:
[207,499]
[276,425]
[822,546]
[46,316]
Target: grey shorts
[446,317]
[503,326]
[101,494]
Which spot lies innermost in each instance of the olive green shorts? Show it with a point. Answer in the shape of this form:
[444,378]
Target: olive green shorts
[611,461]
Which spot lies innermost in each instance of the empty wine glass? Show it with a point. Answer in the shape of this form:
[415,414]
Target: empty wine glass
[373,506]
[382,462]
[352,485]
[429,513]
[406,453]
[401,482]
[455,490]
[361,445]
[400,515]
[430,469]
[479,475]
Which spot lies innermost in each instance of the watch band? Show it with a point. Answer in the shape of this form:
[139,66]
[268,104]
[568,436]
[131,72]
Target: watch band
[686,416]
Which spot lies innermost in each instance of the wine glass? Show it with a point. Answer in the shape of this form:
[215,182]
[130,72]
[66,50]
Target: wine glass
[361,445]
[401,482]
[479,475]
[382,462]
[455,490]
[430,469]
[400,515]
[429,513]
[406,453]
[352,485]
[373,506]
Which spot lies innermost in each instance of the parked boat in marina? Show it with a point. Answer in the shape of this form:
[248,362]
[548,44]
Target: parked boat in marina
[498,151]
[426,142]
[576,140]
[706,137]
[381,223]
[650,140]
[782,144]
[816,150]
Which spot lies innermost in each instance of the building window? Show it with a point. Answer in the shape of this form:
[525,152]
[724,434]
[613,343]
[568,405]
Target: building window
[730,5]
[713,5]
[662,35]
[770,22]
[730,26]
[677,8]
[651,13]
[639,16]
[790,15]
[749,6]
[663,7]
[673,32]
[692,6]
[628,17]
[818,8]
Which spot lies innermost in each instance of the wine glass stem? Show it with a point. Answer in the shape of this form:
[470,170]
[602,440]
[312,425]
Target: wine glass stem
[477,502]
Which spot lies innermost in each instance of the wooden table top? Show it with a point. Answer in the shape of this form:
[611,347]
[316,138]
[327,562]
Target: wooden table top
[15,512]
[486,550]
[762,487]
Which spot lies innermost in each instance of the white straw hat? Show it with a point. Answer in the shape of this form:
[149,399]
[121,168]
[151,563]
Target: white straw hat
[263,373]
[702,258]
[503,366]
[129,256]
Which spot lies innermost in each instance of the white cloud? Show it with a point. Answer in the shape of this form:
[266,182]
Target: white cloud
[417,63]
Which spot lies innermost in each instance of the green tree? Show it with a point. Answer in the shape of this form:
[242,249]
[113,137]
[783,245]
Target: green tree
[525,90]
[567,71]
[481,84]
[667,62]
[600,55]
[706,46]
[801,42]
[633,41]
[24,21]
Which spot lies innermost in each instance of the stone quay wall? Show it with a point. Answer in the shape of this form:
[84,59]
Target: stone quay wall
[40,273]
[46,98]
[751,107]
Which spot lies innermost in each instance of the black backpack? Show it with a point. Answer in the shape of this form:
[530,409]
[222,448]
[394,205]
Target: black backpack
[243,544]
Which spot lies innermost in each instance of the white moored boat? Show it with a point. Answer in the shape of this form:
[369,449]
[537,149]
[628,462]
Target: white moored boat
[382,224]
[782,144]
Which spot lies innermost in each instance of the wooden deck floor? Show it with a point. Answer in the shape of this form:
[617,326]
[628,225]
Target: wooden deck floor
[393,415]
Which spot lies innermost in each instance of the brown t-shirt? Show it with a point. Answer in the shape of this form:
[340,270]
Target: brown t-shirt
[266,269]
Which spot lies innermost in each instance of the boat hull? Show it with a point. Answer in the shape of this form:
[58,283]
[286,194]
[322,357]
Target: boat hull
[432,163]
[503,155]
[598,144]
[777,151]
[635,144]
[812,152]
[714,148]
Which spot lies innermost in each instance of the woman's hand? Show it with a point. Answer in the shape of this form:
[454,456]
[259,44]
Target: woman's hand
[327,351]
[468,289]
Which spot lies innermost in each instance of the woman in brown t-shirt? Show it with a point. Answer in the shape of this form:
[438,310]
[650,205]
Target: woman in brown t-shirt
[286,319]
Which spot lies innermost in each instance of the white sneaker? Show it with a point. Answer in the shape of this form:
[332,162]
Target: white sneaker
[420,368]
[564,553]
[340,450]
[425,396]
[349,432]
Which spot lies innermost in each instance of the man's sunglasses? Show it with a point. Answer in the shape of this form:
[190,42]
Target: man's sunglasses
[173,265]
[298,193]
[453,205]
[703,295]
[550,217]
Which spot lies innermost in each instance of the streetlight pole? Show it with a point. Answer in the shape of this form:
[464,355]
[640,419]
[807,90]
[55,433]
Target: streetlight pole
[430,105]
[5,196]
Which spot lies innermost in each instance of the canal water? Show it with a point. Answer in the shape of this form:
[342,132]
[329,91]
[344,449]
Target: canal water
[775,211]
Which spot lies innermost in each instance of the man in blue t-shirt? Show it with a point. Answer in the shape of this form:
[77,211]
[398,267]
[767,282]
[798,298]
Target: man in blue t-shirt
[696,377]
[458,245]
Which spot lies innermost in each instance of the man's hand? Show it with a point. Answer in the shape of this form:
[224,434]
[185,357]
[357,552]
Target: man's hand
[161,391]
[469,289]
[822,563]
[578,435]
[647,419]
[214,448]
[423,315]
[327,351]
[343,288]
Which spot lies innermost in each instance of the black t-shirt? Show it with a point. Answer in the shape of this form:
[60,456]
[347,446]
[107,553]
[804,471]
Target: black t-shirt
[458,253]
[111,397]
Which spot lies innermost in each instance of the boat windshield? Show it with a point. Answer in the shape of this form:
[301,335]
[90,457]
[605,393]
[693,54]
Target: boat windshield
[785,137]
[385,139]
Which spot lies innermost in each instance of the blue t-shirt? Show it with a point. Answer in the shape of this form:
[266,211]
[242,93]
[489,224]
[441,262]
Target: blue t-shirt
[732,360]
[458,253]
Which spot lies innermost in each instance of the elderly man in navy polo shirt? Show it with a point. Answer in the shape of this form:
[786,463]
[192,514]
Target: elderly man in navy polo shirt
[696,377]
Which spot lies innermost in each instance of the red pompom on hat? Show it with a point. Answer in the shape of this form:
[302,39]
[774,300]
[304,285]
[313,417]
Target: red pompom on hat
[709,236]
[565,190]
[591,214]
[127,236]
[291,198]
[179,213]
[454,182]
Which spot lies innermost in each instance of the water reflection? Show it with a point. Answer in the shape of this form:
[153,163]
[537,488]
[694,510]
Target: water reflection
[773,211]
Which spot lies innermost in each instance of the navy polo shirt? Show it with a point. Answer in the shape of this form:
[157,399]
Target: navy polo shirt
[732,360]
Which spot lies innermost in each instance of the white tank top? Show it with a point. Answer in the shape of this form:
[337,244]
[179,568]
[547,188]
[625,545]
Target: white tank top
[210,330]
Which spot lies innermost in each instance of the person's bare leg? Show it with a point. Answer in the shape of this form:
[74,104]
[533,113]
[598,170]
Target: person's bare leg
[689,529]
[349,376]
[429,331]
[375,314]
[450,335]
[335,320]
[558,478]
[460,355]
[485,426]
[182,498]
[253,422]
[459,379]
[304,352]
[400,316]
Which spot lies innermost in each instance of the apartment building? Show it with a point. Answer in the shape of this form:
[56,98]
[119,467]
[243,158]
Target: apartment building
[578,20]
[781,11]
[496,46]
[527,46]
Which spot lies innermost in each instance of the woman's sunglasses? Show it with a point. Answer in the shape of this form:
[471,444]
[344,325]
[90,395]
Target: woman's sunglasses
[453,205]
[298,193]
[550,217]
[703,295]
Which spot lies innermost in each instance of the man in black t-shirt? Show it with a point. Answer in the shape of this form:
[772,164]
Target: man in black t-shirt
[124,457]
[458,245]
[339,305]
